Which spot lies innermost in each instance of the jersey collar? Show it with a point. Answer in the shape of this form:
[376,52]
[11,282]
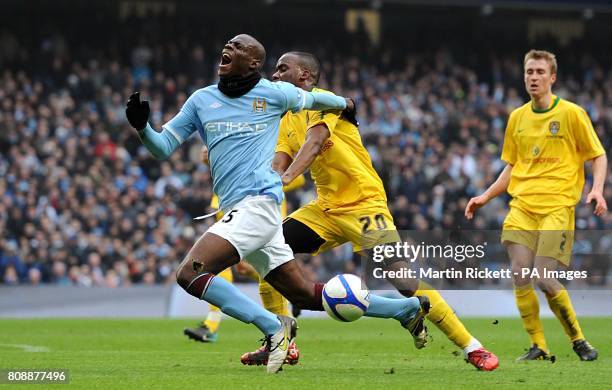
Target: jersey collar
[538,111]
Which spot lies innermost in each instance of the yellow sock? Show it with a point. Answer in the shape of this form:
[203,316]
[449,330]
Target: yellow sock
[561,305]
[213,319]
[272,300]
[529,307]
[443,316]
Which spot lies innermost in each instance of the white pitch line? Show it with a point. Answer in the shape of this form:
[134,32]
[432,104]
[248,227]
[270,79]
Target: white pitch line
[26,347]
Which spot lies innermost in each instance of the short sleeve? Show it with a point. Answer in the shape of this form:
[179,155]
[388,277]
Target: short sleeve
[185,122]
[295,97]
[588,144]
[329,118]
[509,151]
[283,138]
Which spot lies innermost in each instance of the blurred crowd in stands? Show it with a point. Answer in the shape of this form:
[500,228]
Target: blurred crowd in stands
[83,203]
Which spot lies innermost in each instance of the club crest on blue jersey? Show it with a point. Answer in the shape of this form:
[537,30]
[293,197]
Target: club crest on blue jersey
[260,105]
[554,127]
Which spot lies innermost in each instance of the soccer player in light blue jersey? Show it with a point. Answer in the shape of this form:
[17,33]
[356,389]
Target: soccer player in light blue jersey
[238,121]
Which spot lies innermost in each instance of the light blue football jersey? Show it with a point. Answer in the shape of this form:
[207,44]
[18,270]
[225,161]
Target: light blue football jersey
[241,135]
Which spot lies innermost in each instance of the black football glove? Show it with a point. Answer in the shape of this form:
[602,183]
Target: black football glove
[350,114]
[137,112]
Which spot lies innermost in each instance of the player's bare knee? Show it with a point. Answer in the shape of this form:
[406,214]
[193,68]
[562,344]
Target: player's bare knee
[182,278]
[188,269]
[542,285]
[548,286]
[517,277]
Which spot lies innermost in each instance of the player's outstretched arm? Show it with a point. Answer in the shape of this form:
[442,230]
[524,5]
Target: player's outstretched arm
[600,169]
[315,138]
[499,186]
[298,99]
[321,101]
[160,145]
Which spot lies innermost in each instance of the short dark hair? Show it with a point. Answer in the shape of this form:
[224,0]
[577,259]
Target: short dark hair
[309,61]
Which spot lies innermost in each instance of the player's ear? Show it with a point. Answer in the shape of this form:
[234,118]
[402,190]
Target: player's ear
[553,78]
[305,74]
[255,64]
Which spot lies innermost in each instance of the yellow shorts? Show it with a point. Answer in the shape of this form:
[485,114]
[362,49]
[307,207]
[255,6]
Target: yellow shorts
[547,235]
[365,225]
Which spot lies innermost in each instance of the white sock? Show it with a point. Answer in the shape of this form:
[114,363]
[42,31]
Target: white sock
[472,346]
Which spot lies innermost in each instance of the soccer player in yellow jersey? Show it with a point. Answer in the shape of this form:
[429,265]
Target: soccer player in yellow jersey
[352,204]
[546,144]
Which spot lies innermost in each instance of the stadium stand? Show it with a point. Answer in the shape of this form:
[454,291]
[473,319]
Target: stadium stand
[82,203]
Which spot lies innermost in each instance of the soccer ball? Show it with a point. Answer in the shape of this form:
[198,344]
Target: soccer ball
[344,299]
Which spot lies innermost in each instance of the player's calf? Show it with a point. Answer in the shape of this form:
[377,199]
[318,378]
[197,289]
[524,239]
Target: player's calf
[195,286]
[405,286]
[549,286]
[289,280]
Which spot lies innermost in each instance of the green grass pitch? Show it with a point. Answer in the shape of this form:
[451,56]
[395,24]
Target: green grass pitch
[370,353]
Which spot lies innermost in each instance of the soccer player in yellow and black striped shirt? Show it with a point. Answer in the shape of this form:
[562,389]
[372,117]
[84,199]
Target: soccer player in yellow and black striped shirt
[546,144]
[351,204]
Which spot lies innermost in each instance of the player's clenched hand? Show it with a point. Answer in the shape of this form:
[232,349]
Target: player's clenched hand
[350,105]
[137,112]
[474,204]
[350,112]
[600,202]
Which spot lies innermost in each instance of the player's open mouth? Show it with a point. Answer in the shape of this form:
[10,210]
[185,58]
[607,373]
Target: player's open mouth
[226,59]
